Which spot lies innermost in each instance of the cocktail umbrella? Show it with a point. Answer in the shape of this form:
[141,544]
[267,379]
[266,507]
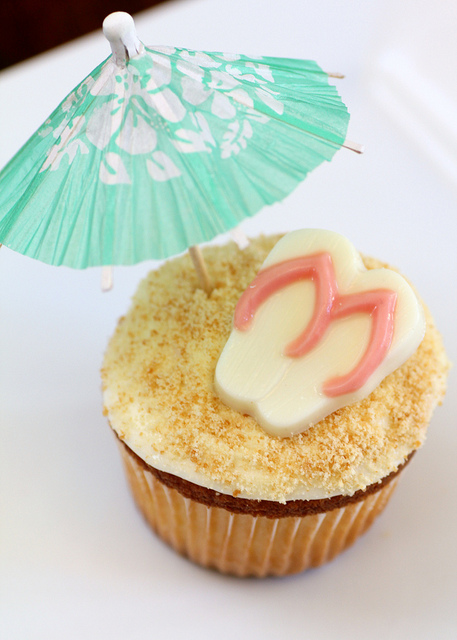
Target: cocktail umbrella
[160,149]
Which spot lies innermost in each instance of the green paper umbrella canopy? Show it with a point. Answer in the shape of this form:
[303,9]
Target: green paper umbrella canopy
[161,148]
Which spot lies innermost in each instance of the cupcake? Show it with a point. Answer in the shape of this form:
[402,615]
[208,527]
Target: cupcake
[263,428]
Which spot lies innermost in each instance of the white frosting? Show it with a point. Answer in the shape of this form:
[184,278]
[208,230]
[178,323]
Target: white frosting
[187,471]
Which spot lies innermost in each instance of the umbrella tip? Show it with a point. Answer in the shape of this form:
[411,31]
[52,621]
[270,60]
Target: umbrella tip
[119,30]
[117,24]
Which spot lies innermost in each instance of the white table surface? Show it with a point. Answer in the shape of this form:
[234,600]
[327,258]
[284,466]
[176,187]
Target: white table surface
[76,559]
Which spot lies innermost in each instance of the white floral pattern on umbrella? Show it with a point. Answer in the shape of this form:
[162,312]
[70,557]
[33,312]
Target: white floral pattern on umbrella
[136,109]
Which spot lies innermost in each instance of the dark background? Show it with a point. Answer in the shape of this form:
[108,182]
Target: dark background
[29,27]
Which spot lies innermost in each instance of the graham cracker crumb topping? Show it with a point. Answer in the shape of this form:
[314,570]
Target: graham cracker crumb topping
[158,377]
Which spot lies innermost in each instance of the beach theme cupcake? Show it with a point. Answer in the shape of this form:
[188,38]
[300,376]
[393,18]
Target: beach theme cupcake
[264,427]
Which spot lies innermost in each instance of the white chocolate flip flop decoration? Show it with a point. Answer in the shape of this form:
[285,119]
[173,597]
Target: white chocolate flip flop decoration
[315,331]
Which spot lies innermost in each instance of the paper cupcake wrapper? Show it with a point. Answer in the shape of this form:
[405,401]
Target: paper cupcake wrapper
[246,545]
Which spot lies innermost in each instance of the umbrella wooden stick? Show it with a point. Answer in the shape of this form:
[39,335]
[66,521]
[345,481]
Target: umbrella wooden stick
[107,278]
[119,29]
[348,144]
[200,267]
[353,146]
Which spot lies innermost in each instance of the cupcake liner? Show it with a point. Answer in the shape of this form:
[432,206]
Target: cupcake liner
[246,545]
